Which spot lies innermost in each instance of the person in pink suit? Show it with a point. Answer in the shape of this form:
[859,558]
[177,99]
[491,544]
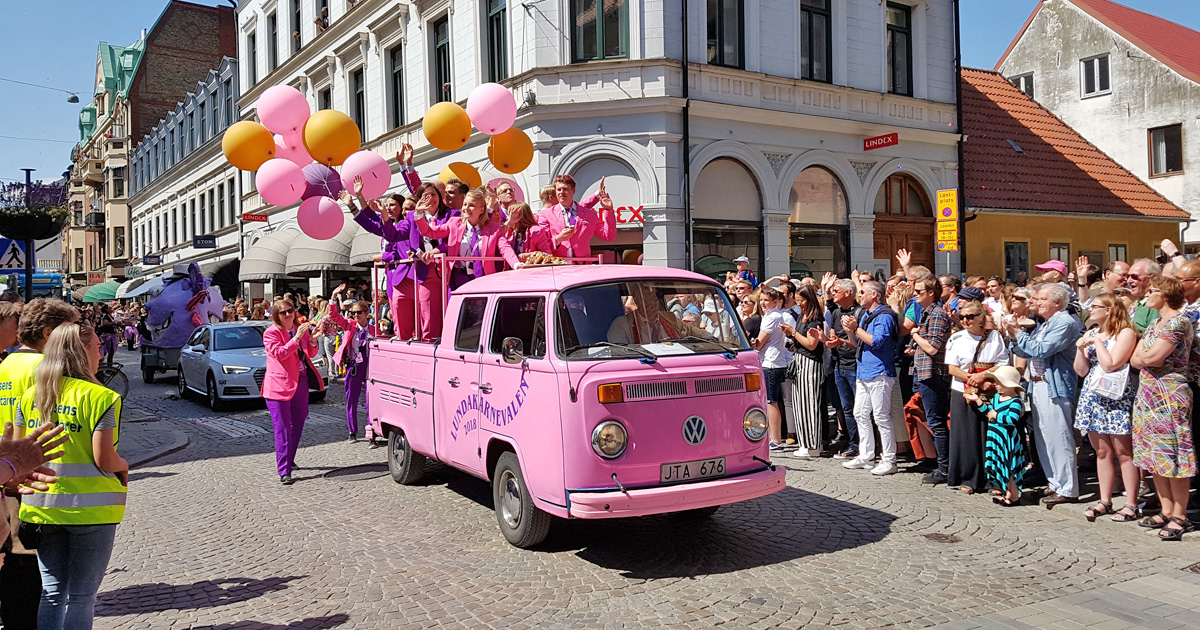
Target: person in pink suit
[522,235]
[290,375]
[353,354]
[572,225]
[472,235]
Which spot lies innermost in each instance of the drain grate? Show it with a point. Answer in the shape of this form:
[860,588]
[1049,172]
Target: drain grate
[943,538]
[1195,568]
[362,472]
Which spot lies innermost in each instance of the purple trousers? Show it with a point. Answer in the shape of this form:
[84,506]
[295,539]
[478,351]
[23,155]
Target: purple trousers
[356,385]
[288,417]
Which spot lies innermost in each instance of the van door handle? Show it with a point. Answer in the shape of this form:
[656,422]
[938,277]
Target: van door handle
[485,388]
[454,382]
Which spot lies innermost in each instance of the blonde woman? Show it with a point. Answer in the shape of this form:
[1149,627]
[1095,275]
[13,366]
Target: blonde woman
[473,236]
[79,514]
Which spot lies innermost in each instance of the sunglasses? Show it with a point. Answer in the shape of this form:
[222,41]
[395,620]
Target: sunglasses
[286,312]
[967,318]
[361,312]
[1135,277]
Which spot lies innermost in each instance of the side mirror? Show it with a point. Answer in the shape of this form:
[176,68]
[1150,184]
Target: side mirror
[513,350]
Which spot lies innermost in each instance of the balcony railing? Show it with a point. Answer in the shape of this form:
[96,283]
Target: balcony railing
[94,221]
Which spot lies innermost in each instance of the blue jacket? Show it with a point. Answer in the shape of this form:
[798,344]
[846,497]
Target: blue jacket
[1057,349]
[878,358]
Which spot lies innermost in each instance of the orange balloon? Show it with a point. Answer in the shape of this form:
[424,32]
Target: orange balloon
[331,136]
[510,151]
[247,145]
[447,126]
[463,172]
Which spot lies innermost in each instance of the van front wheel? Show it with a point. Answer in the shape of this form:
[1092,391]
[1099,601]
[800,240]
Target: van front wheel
[406,465]
[521,522]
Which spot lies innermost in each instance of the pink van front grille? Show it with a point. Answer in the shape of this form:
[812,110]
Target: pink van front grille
[720,385]
[661,389]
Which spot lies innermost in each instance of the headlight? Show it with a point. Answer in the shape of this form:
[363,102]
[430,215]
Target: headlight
[234,369]
[609,439]
[755,425]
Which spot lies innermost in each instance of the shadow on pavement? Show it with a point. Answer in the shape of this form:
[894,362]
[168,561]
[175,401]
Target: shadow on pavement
[144,598]
[146,474]
[312,623]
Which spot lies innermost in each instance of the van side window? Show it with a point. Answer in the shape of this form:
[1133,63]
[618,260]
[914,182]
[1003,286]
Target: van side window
[523,318]
[470,324]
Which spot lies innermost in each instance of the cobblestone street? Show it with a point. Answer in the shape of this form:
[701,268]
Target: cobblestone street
[212,540]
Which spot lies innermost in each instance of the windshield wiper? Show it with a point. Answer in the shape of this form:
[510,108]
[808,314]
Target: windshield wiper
[650,357]
[695,339]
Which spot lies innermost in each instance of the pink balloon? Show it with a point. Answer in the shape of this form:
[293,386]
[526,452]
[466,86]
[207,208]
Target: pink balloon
[291,148]
[320,217]
[280,182]
[372,168]
[491,108]
[518,194]
[283,110]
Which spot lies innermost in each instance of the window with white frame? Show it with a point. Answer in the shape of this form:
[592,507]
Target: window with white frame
[726,19]
[1094,77]
[600,30]
[252,57]
[272,42]
[396,86]
[1166,150]
[1024,83]
[441,60]
[358,102]
[816,40]
[899,49]
[497,39]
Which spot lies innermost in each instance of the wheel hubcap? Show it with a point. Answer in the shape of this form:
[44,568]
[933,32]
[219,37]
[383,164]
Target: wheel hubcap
[398,450]
[510,500]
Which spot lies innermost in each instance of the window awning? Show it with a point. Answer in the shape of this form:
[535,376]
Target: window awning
[266,259]
[130,285]
[365,248]
[308,257]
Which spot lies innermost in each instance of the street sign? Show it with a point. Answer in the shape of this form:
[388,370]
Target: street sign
[151,261]
[12,255]
[947,231]
[204,242]
[878,142]
[947,246]
[947,203]
[95,277]
[250,217]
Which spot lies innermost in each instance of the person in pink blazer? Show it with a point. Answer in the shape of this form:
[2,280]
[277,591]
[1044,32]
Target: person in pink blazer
[472,235]
[353,355]
[522,235]
[290,374]
[572,225]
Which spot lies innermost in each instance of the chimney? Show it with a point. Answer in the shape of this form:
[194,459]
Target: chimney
[143,34]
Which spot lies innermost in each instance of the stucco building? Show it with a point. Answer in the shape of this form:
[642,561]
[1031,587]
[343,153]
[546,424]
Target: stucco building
[1127,81]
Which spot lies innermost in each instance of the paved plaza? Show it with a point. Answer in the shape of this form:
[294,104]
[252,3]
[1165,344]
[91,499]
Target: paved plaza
[212,540]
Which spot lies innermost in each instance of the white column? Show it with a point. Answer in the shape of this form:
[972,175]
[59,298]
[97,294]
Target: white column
[776,235]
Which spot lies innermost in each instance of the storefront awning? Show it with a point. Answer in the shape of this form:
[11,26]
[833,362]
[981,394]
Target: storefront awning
[308,257]
[77,294]
[224,274]
[130,285]
[266,259]
[365,248]
[102,292]
[147,285]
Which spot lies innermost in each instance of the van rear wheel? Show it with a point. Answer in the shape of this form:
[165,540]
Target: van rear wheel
[521,522]
[406,465]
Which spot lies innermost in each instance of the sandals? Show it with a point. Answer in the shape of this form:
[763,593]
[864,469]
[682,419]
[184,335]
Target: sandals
[1158,521]
[1169,533]
[1098,510]
[1121,516]
[1006,502]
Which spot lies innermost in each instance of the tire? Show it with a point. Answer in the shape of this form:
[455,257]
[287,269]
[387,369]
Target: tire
[521,522]
[316,397]
[184,392]
[214,397]
[148,375]
[698,514]
[406,465]
[117,381]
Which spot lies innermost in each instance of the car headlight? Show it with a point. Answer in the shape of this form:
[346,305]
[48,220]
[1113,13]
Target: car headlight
[755,425]
[234,369]
[609,439]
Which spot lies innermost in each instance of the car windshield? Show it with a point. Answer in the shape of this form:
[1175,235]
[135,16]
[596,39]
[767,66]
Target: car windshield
[646,319]
[237,338]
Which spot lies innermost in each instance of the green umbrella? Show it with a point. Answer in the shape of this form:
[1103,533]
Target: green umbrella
[102,292]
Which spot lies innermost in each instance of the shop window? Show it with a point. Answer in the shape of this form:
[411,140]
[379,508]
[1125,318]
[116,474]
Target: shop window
[600,29]
[1061,251]
[1016,260]
[816,41]
[441,60]
[818,230]
[1118,252]
[901,196]
[497,40]
[727,217]
[1094,76]
[1166,150]
[899,49]
[726,19]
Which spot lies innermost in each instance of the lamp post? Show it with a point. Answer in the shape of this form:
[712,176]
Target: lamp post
[29,247]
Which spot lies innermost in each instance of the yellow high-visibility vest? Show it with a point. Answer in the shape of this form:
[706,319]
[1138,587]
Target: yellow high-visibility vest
[16,377]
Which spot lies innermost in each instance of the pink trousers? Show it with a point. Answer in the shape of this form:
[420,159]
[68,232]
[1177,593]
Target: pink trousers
[428,298]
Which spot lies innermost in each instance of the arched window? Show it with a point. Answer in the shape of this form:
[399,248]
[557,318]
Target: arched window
[902,196]
[819,237]
[727,217]
[817,197]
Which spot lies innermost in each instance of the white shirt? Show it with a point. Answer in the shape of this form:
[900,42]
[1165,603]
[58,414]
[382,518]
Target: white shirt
[960,350]
[774,352]
[993,304]
[464,248]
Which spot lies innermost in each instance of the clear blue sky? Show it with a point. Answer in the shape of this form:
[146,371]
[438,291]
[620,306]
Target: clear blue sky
[53,43]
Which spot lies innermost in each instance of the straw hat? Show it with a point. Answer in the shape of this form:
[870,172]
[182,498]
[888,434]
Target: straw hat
[1007,376]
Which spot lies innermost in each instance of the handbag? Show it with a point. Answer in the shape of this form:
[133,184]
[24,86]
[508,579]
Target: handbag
[1111,385]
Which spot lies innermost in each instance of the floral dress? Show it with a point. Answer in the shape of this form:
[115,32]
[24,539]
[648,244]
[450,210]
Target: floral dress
[1162,434]
[1101,414]
[1004,451]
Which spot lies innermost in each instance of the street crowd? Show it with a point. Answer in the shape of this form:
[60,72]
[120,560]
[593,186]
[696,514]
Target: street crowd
[993,386]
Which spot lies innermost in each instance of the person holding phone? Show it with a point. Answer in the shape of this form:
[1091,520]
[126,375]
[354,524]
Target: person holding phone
[290,375]
[78,515]
[572,225]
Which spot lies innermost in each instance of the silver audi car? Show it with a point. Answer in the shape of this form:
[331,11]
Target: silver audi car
[227,361]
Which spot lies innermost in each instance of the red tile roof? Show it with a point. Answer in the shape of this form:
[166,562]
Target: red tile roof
[1055,170]
[1173,44]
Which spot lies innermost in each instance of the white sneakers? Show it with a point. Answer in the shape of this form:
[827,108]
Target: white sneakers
[858,462]
[884,468]
[801,452]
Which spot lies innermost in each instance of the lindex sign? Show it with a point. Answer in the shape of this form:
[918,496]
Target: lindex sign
[250,217]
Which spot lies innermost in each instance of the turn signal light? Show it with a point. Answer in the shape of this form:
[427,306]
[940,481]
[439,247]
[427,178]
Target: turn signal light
[753,382]
[612,393]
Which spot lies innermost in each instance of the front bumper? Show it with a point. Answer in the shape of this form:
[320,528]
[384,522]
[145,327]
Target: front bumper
[677,498]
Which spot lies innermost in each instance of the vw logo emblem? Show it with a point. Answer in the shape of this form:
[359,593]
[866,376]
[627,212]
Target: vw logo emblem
[694,430]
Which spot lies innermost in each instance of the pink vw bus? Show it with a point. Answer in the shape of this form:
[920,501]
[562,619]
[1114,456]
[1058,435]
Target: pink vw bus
[581,392]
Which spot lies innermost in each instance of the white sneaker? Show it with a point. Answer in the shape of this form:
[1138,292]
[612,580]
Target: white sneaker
[801,452]
[885,468]
[858,462]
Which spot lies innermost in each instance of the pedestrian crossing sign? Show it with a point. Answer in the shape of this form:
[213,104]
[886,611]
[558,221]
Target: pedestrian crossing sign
[12,255]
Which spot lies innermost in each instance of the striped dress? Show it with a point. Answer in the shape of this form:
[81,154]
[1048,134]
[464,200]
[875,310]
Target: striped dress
[806,390]
[1004,453]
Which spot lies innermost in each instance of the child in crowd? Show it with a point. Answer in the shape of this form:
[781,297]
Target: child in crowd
[1004,458]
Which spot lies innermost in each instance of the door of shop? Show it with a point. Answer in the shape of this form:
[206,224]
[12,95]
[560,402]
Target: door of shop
[913,234]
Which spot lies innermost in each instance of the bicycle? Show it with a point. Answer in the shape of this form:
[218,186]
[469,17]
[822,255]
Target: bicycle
[112,376]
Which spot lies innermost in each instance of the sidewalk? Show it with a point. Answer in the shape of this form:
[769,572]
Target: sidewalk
[144,438]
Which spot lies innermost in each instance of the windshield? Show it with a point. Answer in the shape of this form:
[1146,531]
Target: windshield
[646,319]
[237,338]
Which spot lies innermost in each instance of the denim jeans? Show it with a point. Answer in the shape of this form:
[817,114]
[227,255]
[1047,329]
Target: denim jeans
[844,380]
[73,559]
[935,398]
